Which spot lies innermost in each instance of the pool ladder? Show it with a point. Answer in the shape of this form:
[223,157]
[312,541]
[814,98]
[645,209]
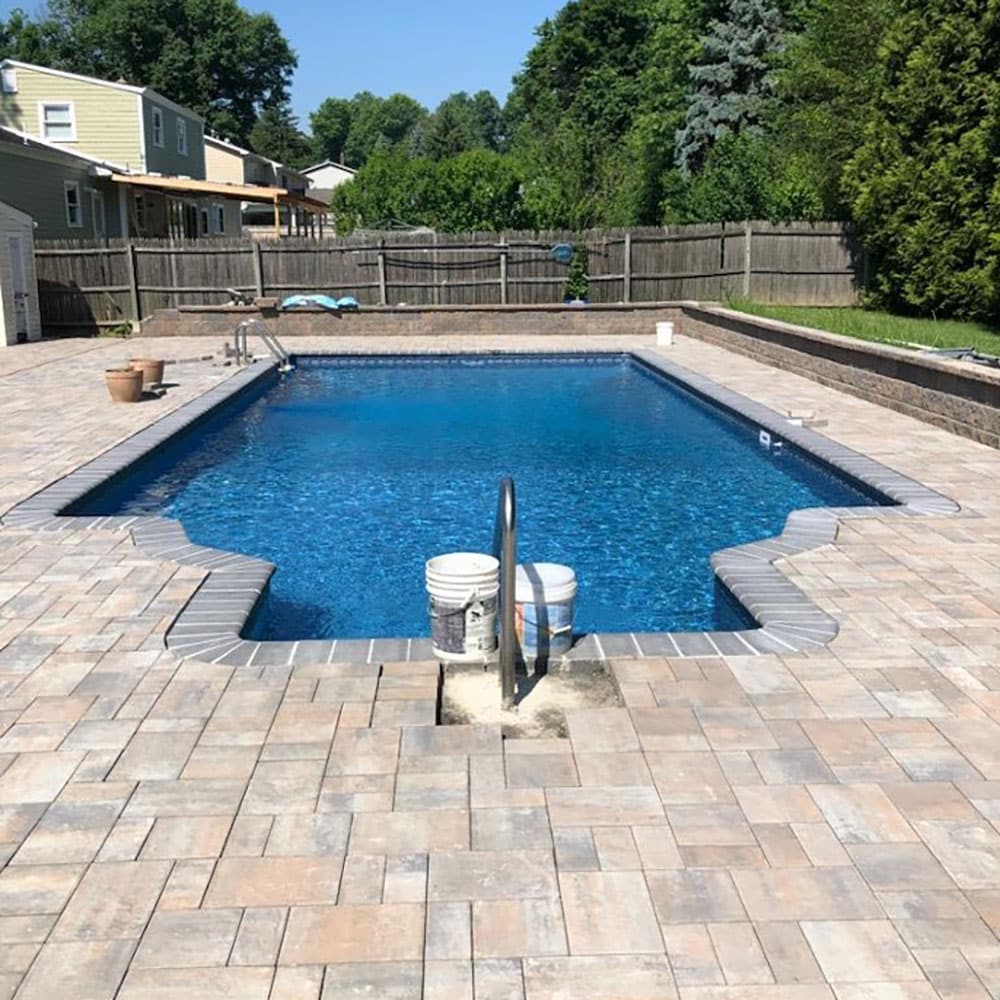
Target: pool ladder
[505,549]
[270,342]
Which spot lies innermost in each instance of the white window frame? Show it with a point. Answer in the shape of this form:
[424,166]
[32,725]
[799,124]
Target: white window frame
[42,105]
[8,80]
[67,187]
[204,221]
[219,217]
[182,137]
[156,117]
[98,214]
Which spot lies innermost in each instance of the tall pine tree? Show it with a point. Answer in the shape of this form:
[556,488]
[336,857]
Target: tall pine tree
[733,82]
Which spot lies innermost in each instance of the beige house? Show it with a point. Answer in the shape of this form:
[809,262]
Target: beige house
[20,319]
[231,164]
[134,162]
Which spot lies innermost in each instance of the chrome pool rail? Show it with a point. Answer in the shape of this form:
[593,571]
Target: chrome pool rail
[271,342]
[505,549]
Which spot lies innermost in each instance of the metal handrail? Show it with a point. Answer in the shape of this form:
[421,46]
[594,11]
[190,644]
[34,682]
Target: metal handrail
[505,549]
[271,342]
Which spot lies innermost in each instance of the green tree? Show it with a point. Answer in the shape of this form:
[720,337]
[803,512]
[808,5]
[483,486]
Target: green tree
[35,41]
[732,81]
[450,130]
[331,124]
[277,136]
[212,56]
[827,84]
[390,185]
[476,190]
[744,177]
[380,124]
[479,190]
[573,104]
[924,186]
[460,123]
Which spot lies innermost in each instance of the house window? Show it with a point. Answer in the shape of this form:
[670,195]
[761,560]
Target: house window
[220,219]
[158,127]
[58,124]
[74,209]
[97,217]
[182,137]
[8,80]
[203,218]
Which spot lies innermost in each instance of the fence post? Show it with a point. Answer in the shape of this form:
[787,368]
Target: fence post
[503,270]
[747,257]
[258,269]
[383,298]
[133,283]
[627,280]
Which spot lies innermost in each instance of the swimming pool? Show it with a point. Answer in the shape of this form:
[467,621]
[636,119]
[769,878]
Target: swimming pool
[350,472]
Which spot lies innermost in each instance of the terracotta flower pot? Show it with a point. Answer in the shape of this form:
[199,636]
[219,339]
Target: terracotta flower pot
[152,371]
[124,384]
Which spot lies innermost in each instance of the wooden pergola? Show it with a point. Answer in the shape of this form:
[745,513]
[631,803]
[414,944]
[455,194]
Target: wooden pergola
[278,197]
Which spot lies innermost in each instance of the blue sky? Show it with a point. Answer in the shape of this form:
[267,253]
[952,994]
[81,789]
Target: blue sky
[426,49]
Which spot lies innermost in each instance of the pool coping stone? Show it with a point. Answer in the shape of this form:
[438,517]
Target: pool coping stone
[209,626]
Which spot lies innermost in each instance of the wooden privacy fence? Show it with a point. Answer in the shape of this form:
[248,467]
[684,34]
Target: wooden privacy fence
[89,285]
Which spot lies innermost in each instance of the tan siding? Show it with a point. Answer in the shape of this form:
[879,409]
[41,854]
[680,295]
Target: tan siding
[167,160]
[223,166]
[32,181]
[106,119]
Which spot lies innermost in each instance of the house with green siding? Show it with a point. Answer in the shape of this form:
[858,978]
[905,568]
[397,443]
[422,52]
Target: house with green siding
[68,194]
[130,131]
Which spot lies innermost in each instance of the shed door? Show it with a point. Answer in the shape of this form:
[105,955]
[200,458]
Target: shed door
[20,282]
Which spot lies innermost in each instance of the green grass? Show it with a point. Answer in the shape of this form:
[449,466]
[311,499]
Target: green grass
[882,326]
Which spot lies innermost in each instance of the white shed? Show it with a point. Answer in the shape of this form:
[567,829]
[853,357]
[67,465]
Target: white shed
[19,315]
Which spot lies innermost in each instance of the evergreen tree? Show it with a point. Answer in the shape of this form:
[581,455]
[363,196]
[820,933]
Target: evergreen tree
[733,81]
[276,135]
[925,185]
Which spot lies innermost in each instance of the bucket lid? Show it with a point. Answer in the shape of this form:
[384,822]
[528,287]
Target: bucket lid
[462,565]
[540,582]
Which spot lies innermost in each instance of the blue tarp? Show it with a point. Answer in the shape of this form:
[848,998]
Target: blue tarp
[324,301]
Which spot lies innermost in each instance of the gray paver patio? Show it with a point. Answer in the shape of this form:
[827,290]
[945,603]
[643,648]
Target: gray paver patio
[801,827]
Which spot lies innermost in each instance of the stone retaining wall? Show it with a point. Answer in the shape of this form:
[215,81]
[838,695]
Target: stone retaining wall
[960,397]
[591,320]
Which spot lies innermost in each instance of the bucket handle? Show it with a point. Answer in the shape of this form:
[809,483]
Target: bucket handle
[470,598]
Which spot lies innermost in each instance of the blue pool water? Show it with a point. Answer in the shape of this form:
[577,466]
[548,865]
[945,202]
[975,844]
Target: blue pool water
[349,474]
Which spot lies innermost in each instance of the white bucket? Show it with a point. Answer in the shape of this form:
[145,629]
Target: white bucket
[544,594]
[664,334]
[463,588]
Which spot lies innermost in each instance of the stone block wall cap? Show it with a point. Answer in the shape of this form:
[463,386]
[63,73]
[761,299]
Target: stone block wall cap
[195,309]
[952,366]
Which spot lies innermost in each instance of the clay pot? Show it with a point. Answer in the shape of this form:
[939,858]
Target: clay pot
[124,384]
[152,371]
